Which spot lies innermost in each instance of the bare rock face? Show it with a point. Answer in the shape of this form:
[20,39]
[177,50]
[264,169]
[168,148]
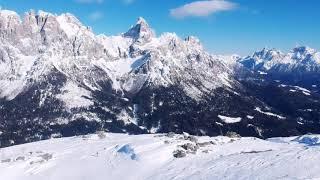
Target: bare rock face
[179,154]
[189,147]
[141,33]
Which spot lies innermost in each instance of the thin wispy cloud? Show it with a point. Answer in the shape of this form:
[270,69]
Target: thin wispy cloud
[89,1]
[202,8]
[94,16]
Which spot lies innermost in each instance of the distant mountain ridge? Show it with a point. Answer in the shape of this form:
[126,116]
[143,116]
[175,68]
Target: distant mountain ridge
[301,58]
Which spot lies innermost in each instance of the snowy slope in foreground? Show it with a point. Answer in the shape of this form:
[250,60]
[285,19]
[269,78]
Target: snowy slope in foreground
[118,156]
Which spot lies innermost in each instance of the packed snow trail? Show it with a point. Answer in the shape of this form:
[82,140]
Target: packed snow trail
[150,157]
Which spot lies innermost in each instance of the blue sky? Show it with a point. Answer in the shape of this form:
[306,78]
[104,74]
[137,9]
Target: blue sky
[224,26]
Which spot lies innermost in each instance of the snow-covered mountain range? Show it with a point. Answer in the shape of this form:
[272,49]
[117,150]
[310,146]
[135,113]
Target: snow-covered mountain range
[42,43]
[300,59]
[57,78]
[301,66]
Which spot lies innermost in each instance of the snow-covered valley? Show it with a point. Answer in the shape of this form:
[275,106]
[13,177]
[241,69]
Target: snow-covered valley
[162,156]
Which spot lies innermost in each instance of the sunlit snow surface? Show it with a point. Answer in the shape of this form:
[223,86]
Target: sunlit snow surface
[119,156]
[229,119]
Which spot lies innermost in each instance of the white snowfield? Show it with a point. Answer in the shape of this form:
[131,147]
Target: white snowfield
[230,120]
[150,157]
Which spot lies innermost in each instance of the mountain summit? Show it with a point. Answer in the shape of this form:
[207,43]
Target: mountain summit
[141,32]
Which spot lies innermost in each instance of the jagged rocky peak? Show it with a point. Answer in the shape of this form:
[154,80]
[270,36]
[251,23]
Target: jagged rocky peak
[267,54]
[42,17]
[72,26]
[305,54]
[9,20]
[8,14]
[70,18]
[141,32]
[40,21]
[303,50]
[263,60]
[194,41]
[142,21]
[302,57]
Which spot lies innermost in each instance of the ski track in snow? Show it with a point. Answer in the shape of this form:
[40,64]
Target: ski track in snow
[120,156]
